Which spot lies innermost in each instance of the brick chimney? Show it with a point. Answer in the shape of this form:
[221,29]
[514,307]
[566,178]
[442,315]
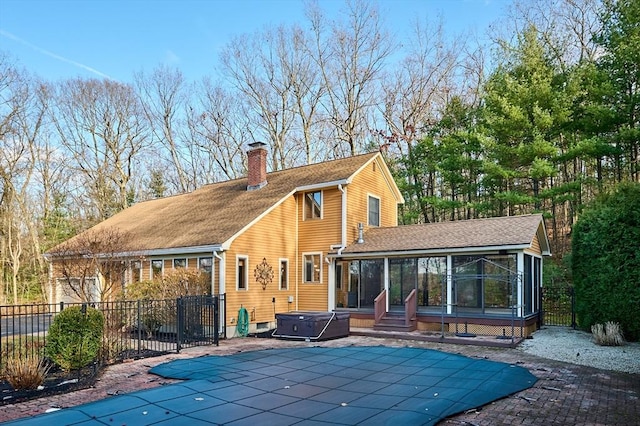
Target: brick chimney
[257,162]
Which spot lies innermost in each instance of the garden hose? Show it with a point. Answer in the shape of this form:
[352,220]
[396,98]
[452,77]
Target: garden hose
[243,322]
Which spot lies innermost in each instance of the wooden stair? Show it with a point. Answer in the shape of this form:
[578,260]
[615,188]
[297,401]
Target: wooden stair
[391,322]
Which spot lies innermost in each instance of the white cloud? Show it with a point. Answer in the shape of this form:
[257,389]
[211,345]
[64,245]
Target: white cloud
[51,54]
[171,57]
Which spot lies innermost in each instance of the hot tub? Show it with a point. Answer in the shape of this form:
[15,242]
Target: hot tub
[312,325]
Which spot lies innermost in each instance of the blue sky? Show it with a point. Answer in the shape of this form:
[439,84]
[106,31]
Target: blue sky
[58,39]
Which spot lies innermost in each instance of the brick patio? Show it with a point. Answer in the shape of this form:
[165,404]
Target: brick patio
[565,394]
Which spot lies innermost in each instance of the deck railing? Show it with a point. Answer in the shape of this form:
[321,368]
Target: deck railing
[380,306]
[411,307]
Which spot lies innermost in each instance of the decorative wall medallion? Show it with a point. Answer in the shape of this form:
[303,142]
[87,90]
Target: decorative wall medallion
[263,273]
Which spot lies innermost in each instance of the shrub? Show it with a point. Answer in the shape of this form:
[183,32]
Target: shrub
[181,282]
[75,337]
[26,372]
[608,334]
[606,263]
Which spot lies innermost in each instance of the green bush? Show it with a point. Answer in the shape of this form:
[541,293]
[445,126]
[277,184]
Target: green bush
[75,337]
[606,261]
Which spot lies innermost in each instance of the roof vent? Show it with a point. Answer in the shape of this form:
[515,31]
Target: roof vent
[360,233]
[257,164]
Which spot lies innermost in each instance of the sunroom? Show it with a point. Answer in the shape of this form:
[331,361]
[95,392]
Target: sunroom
[468,277]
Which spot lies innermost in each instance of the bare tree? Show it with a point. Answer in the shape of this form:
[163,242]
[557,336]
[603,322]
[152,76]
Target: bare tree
[24,104]
[164,100]
[99,123]
[417,93]
[92,264]
[257,66]
[350,56]
[566,27]
[307,91]
[219,131]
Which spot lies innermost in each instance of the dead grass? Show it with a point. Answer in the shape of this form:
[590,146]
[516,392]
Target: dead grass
[608,334]
[25,373]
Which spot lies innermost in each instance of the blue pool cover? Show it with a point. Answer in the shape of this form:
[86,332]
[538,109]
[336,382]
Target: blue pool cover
[369,385]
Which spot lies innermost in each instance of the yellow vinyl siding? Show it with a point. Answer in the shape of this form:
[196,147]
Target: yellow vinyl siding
[272,238]
[370,181]
[535,245]
[317,236]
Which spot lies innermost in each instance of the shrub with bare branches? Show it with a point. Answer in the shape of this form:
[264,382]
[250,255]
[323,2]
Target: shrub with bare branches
[608,334]
[26,372]
[92,264]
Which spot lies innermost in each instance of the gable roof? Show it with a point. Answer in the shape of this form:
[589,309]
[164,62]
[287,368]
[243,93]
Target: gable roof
[211,216]
[497,233]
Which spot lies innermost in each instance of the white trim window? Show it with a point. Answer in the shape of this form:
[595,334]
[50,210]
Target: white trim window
[205,264]
[284,274]
[242,273]
[373,210]
[312,205]
[157,268]
[180,263]
[312,263]
[136,271]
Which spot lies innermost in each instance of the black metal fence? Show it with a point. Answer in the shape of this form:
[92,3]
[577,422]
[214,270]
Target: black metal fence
[132,328]
[558,305]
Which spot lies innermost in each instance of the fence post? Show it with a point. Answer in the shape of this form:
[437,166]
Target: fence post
[139,325]
[180,323]
[216,320]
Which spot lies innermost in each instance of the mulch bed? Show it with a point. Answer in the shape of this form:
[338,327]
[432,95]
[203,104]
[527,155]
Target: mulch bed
[59,381]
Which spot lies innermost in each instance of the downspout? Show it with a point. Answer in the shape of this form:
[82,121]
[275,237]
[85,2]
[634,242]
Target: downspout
[343,242]
[223,325]
[213,273]
[221,283]
[331,303]
[297,260]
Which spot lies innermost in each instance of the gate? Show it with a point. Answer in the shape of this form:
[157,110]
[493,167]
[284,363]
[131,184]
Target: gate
[558,305]
[198,321]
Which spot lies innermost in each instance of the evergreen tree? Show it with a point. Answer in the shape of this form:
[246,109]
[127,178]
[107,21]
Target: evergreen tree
[606,261]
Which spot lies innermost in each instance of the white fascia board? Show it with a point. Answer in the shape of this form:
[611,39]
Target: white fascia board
[147,253]
[543,239]
[322,185]
[180,250]
[431,252]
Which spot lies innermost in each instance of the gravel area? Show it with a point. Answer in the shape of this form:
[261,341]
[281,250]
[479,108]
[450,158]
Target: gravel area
[578,347]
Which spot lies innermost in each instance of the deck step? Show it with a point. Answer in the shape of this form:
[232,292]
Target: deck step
[394,323]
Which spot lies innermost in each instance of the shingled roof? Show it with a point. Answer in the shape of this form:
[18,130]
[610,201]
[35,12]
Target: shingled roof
[211,215]
[497,233]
